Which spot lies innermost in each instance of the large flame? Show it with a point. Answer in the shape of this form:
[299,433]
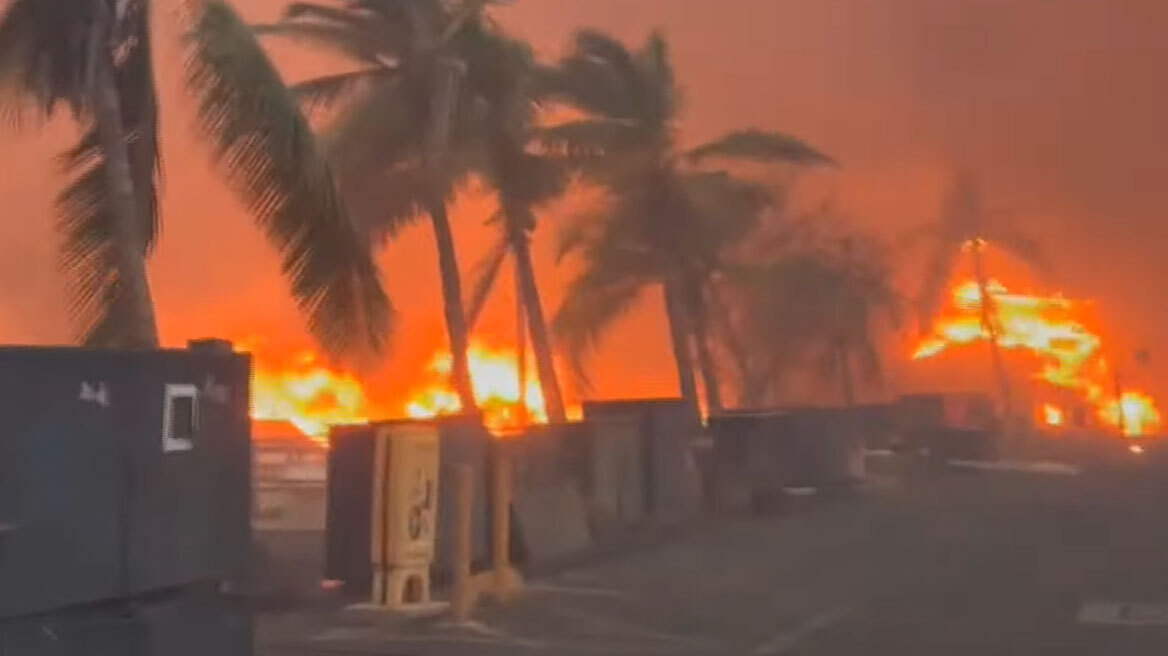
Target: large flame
[300,389]
[1045,326]
[495,378]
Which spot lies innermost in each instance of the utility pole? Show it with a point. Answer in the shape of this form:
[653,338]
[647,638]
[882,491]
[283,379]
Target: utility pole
[521,348]
[1121,419]
[989,323]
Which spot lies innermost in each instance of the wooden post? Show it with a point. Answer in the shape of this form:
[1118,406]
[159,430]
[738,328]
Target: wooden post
[462,596]
[503,578]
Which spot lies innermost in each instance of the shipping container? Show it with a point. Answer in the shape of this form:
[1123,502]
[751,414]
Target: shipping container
[121,473]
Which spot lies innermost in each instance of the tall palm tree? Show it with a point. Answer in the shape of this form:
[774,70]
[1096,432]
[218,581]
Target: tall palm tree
[94,58]
[525,178]
[964,229]
[405,115]
[821,305]
[627,141]
[626,250]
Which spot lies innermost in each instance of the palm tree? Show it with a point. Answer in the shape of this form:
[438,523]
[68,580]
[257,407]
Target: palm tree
[408,119]
[94,58]
[966,228]
[821,305]
[652,230]
[525,179]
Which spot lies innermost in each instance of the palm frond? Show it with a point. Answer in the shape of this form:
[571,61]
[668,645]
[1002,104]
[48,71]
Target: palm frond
[272,160]
[420,20]
[84,207]
[323,92]
[760,146]
[661,95]
[592,303]
[377,146]
[587,138]
[524,180]
[485,273]
[44,55]
[599,75]
[333,38]
[385,201]
[381,127]
[578,230]
[350,15]
[351,31]
[725,199]
[134,77]
[87,257]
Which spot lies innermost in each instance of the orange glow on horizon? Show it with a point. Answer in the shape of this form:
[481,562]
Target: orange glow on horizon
[1047,326]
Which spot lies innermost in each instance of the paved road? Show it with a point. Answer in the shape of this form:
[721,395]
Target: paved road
[985,564]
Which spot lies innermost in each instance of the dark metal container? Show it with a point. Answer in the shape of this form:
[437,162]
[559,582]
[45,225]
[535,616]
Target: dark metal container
[195,623]
[760,452]
[121,473]
[949,426]
[669,428]
[549,511]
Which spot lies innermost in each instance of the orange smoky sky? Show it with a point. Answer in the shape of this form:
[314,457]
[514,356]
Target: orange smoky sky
[1061,106]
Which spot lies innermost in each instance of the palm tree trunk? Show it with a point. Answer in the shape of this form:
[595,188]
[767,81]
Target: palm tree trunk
[443,100]
[537,325]
[990,325]
[456,327]
[750,392]
[706,363]
[138,325]
[847,380]
[680,334]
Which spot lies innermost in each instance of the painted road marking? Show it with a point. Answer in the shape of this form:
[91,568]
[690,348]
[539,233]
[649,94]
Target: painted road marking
[786,640]
[1056,468]
[1123,613]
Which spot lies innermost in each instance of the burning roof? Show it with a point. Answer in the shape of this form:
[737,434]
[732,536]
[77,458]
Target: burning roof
[1070,355]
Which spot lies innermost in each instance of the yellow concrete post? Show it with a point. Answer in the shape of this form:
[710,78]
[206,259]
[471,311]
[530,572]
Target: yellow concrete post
[462,594]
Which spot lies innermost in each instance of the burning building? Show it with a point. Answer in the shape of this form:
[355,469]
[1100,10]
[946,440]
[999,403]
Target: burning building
[1076,384]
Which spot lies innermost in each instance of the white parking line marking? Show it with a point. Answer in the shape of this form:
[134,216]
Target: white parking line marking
[1123,613]
[784,641]
[1053,468]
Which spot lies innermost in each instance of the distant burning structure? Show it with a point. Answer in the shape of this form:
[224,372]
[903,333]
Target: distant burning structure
[495,377]
[300,389]
[1070,354]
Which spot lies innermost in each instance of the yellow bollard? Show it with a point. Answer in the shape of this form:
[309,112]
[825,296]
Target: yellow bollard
[462,594]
